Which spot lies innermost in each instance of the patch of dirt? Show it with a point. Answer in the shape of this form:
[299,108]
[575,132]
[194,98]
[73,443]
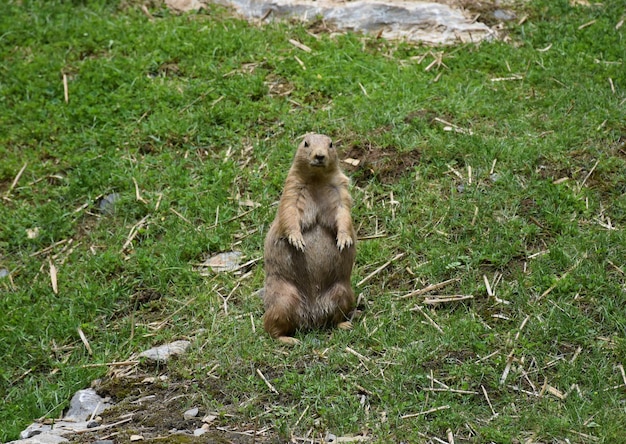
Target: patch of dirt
[153,406]
[384,164]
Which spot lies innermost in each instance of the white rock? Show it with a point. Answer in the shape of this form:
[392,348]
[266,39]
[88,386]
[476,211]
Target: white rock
[418,21]
[191,413]
[163,352]
[44,438]
[84,404]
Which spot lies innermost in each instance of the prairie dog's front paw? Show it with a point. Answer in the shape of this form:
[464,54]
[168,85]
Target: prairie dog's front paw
[344,240]
[297,241]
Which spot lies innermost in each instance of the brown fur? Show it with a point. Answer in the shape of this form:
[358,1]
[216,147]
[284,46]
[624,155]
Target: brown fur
[310,247]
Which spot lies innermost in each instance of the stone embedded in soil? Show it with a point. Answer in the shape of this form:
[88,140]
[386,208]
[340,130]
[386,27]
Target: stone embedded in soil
[416,21]
[224,261]
[191,413]
[107,203]
[162,353]
[84,404]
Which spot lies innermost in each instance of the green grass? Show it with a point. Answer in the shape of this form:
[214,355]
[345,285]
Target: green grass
[190,107]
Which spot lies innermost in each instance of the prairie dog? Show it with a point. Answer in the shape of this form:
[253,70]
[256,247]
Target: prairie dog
[310,247]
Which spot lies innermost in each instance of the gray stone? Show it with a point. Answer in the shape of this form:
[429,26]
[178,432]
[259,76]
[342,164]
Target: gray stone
[224,261]
[84,404]
[44,438]
[501,14]
[191,413]
[107,203]
[163,352]
[3,273]
[417,21]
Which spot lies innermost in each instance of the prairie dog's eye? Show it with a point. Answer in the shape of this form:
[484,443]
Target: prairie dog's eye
[306,144]
[331,145]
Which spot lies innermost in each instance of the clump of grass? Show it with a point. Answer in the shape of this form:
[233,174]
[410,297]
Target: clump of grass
[500,170]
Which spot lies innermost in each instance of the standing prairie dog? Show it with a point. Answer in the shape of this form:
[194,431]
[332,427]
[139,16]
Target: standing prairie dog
[310,247]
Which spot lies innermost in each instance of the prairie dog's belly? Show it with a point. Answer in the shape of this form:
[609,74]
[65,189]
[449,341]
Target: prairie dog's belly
[321,255]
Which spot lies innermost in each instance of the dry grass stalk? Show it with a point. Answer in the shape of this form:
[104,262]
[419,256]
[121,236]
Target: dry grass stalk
[429,288]
[373,236]
[225,299]
[450,127]
[161,324]
[134,231]
[428,318]
[144,9]
[425,412]
[494,413]
[103,427]
[238,216]
[507,367]
[300,62]
[363,89]
[299,45]
[137,193]
[85,341]
[504,79]
[616,267]
[379,269]
[593,168]
[620,367]
[450,436]
[575,356]
[558,280]
[53,278]
[111,364]
[15,180]
[585,25]
[357,354]
[66,91]
[450,390]
[270,386]
[442,298]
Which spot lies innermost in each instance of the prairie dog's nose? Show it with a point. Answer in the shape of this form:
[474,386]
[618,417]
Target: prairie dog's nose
[320,157]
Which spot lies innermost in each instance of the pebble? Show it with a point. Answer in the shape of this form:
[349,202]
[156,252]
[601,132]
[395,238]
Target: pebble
[107,203]
[162,353]
[191,413]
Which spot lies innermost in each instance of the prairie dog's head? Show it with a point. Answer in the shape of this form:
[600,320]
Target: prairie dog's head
[316,151]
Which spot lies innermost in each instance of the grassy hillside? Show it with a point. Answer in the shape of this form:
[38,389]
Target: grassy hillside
[500,167]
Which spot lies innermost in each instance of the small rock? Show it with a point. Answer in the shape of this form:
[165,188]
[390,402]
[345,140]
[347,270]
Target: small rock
[163,352]
[107,203]
[191,413]
[44,438]
[104,441]
[330,438]
[184,5]
[494,177]
[501,14]
[460,188]
[32,233]
[134,438]
[3,273]
[209,418]
[92,424]
[201,431]
[84,404]
[224,261]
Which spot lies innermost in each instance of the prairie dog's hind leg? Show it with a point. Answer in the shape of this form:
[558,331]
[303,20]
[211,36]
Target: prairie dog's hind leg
[282,308]
[338,301]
